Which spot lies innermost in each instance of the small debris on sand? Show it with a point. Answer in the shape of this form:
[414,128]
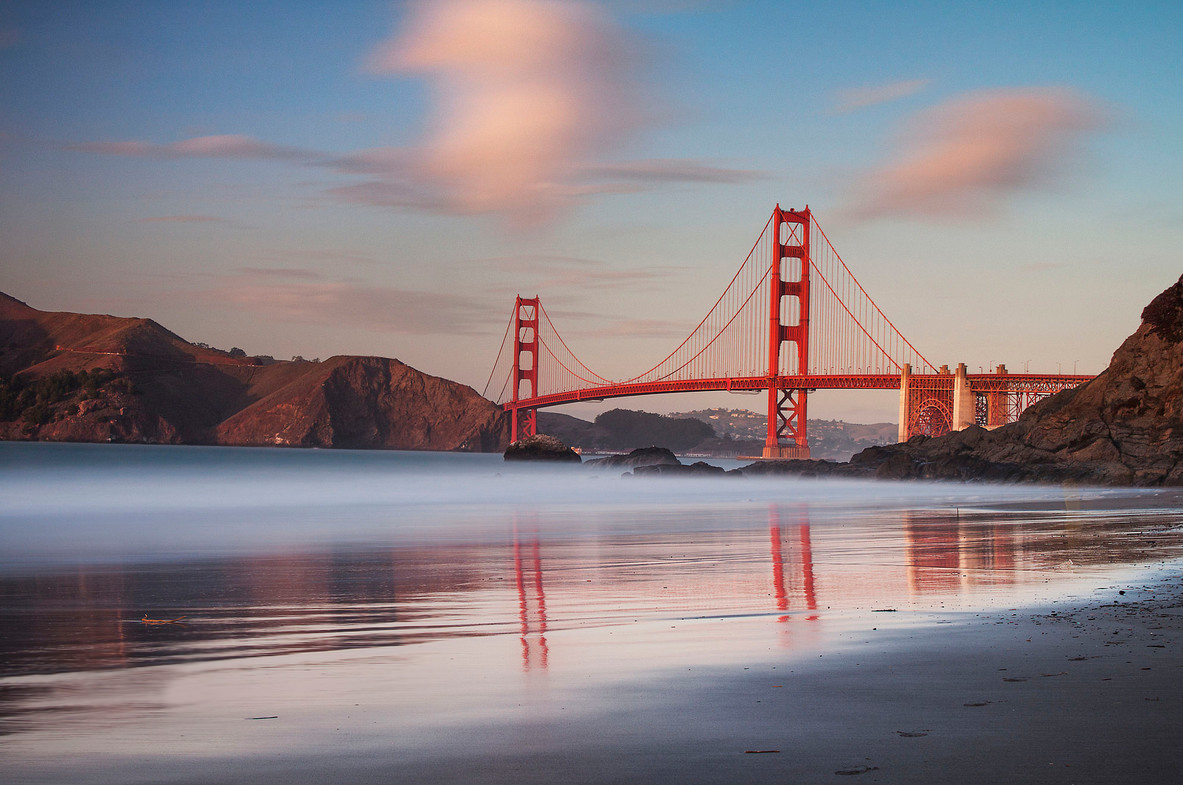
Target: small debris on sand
[860,770]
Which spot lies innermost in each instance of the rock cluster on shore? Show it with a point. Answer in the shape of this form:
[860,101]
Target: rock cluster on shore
[541,447]
[1124,427]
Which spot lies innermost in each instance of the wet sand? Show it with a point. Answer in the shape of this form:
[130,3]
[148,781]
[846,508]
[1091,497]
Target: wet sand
[699,632]
[1089,689]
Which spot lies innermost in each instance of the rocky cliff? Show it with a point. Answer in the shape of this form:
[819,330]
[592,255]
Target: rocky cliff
[84,377]
[1125,427]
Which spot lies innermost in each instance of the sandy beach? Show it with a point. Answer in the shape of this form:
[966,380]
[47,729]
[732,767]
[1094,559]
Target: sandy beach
[654,631]
[1087,690]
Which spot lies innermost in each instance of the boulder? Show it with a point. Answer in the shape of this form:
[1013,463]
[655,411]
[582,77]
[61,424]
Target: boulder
[696,469]
[642,456]
[541,448]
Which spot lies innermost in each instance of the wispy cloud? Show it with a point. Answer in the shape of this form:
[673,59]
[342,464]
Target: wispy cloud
[564,273]
[855,98]
[279,273]
[183,219]
[646,328]
[285,295]
[399,178]
[669,170]
[222,146]
[963,157]
[529,98]
[524,91]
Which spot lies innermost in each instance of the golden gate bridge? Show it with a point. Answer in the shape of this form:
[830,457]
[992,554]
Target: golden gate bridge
[791,321]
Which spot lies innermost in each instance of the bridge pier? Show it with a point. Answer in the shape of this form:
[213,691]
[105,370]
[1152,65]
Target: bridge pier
[964,410]
[787,438]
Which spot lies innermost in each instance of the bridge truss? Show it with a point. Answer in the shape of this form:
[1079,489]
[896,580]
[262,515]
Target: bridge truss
[792,320]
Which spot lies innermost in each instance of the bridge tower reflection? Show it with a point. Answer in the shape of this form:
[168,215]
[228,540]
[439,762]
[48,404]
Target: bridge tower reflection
[805,553]
[527,569]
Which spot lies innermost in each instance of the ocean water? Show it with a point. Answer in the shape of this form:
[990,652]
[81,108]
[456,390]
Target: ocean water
[210,606]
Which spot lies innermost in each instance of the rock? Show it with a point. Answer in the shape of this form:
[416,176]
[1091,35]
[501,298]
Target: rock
[698,468]
[642,456]
[540,448]
[1125,427]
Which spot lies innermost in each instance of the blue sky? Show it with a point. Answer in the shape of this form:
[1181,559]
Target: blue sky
[327,178]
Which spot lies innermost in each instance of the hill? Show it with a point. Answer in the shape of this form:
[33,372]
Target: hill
[1125,427]
[722,433]
[101,378]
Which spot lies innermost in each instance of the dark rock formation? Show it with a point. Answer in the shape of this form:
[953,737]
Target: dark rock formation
[696,469]
[541,448]
[642,456]
[98,378]
[1125,427]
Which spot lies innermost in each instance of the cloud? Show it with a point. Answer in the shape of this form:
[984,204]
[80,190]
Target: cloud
[223,146]
[964,156]
[525,92]
[282,295]
[183,219]
[670,170]
[565,273]
[529,98]
[646,328]
[298,273]
[853,99]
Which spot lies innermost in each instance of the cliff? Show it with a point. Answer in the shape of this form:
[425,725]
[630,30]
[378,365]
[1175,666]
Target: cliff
[99,378]
[1125,427]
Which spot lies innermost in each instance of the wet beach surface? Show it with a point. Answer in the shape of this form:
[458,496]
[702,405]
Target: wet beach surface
[659,631]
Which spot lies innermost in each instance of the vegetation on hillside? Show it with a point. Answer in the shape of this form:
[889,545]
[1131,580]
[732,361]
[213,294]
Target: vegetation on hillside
[34,401]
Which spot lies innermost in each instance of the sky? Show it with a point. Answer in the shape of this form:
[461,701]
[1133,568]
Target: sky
[321,178]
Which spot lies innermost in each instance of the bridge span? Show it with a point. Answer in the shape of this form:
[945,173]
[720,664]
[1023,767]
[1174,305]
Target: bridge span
[792,320]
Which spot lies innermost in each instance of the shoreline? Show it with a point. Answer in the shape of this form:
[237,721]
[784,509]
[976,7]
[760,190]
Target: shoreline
[1085,689]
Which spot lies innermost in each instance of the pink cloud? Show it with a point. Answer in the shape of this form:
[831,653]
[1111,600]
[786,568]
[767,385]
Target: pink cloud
[222,146]
[962,157]
[846,101]
[525,92]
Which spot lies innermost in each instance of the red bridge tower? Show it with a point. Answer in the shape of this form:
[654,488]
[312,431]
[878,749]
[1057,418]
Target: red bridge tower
[788,321]
[525,347]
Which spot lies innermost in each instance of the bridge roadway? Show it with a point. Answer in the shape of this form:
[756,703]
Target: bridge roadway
[979,383]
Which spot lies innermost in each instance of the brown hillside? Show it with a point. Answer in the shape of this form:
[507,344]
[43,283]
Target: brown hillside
[94,377]
[369,402]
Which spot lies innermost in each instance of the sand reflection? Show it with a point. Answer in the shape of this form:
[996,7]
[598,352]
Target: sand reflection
[654,598]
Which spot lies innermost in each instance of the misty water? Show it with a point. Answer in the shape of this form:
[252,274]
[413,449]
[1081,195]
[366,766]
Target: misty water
[414,597]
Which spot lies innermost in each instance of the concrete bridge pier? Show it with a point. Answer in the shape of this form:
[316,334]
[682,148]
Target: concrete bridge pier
[963,400]
[905,402]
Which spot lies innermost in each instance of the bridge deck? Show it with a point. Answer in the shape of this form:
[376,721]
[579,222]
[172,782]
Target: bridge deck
[978,383]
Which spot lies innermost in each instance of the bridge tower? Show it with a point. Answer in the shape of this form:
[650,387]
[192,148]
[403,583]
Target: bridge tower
[525,347]
[789,277]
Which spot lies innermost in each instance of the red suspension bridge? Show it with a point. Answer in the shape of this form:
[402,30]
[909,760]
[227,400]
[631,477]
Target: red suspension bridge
[792,320]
